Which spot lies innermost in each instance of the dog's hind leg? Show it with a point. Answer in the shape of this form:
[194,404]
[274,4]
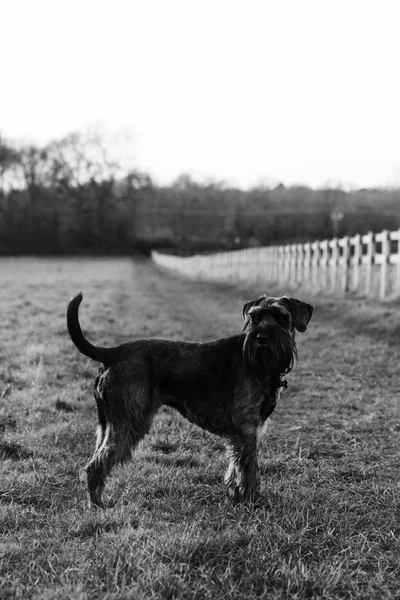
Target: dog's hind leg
[116,443]
[99,466]
[117,447]
[102,426]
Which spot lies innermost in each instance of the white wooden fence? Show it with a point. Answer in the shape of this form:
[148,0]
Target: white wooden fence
[368,265]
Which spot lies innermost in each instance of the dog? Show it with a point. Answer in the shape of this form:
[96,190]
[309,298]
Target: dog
[228,387]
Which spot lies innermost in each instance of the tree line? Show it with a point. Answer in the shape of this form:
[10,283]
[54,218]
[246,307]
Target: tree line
[74,195]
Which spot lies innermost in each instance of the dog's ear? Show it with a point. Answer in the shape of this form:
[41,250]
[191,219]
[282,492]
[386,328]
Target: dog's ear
[246,309]
[301,313]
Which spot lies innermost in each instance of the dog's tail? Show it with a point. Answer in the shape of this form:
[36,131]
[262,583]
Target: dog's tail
[95,352]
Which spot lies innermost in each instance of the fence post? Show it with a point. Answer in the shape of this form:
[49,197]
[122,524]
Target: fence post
[344,284]
[314,265]
[324,260]
[276,263]
[299,269]
[257,256]
[281,262]
[231,265]
[238,264]
[293,265]
[369,262]
[243,263]
[356,261]
[269,272]
[271,263]
[258,262]
[226,265]
[334,244]
[286,263]
[384,264]
[398,265]
[307,263]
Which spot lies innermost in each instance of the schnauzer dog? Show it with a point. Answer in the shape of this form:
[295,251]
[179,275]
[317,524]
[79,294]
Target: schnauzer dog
[228,387]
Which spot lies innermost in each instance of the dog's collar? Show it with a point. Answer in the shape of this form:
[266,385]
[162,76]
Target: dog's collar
[282,383]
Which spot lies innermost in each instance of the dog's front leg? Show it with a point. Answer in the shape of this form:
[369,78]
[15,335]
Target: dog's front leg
[243,476]
[230,475]
[248,473]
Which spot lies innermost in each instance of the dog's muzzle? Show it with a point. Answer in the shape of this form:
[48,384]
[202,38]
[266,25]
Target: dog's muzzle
[262,338]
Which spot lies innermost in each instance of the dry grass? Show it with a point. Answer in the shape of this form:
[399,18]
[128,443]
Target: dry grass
[330,528]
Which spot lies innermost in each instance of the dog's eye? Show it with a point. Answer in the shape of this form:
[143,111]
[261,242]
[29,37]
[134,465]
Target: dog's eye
[253,316]
[283,319]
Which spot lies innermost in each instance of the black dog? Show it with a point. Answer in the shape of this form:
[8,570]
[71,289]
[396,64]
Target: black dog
[228,387]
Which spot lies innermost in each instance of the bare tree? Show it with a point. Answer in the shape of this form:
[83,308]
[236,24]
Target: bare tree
[9,158]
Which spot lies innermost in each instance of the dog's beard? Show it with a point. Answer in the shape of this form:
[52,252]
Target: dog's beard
[274,357]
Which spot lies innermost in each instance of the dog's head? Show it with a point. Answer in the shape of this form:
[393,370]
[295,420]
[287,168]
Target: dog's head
[285,312]
[271,324]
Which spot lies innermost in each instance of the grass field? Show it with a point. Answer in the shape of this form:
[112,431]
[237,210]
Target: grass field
[329,460]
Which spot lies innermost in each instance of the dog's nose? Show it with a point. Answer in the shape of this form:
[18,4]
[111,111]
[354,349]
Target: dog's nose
[262,336]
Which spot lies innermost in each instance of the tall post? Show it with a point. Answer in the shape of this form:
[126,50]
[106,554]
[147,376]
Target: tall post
[345,264]
[334,262]
[356,261]
[383,284]
[370,240]
[398,264]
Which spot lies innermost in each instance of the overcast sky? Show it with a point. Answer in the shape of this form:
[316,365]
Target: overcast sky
[292,91]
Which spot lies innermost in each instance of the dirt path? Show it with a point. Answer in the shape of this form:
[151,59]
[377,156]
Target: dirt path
[168,306]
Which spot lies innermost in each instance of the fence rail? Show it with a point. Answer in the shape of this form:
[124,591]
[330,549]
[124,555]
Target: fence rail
[364,264]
